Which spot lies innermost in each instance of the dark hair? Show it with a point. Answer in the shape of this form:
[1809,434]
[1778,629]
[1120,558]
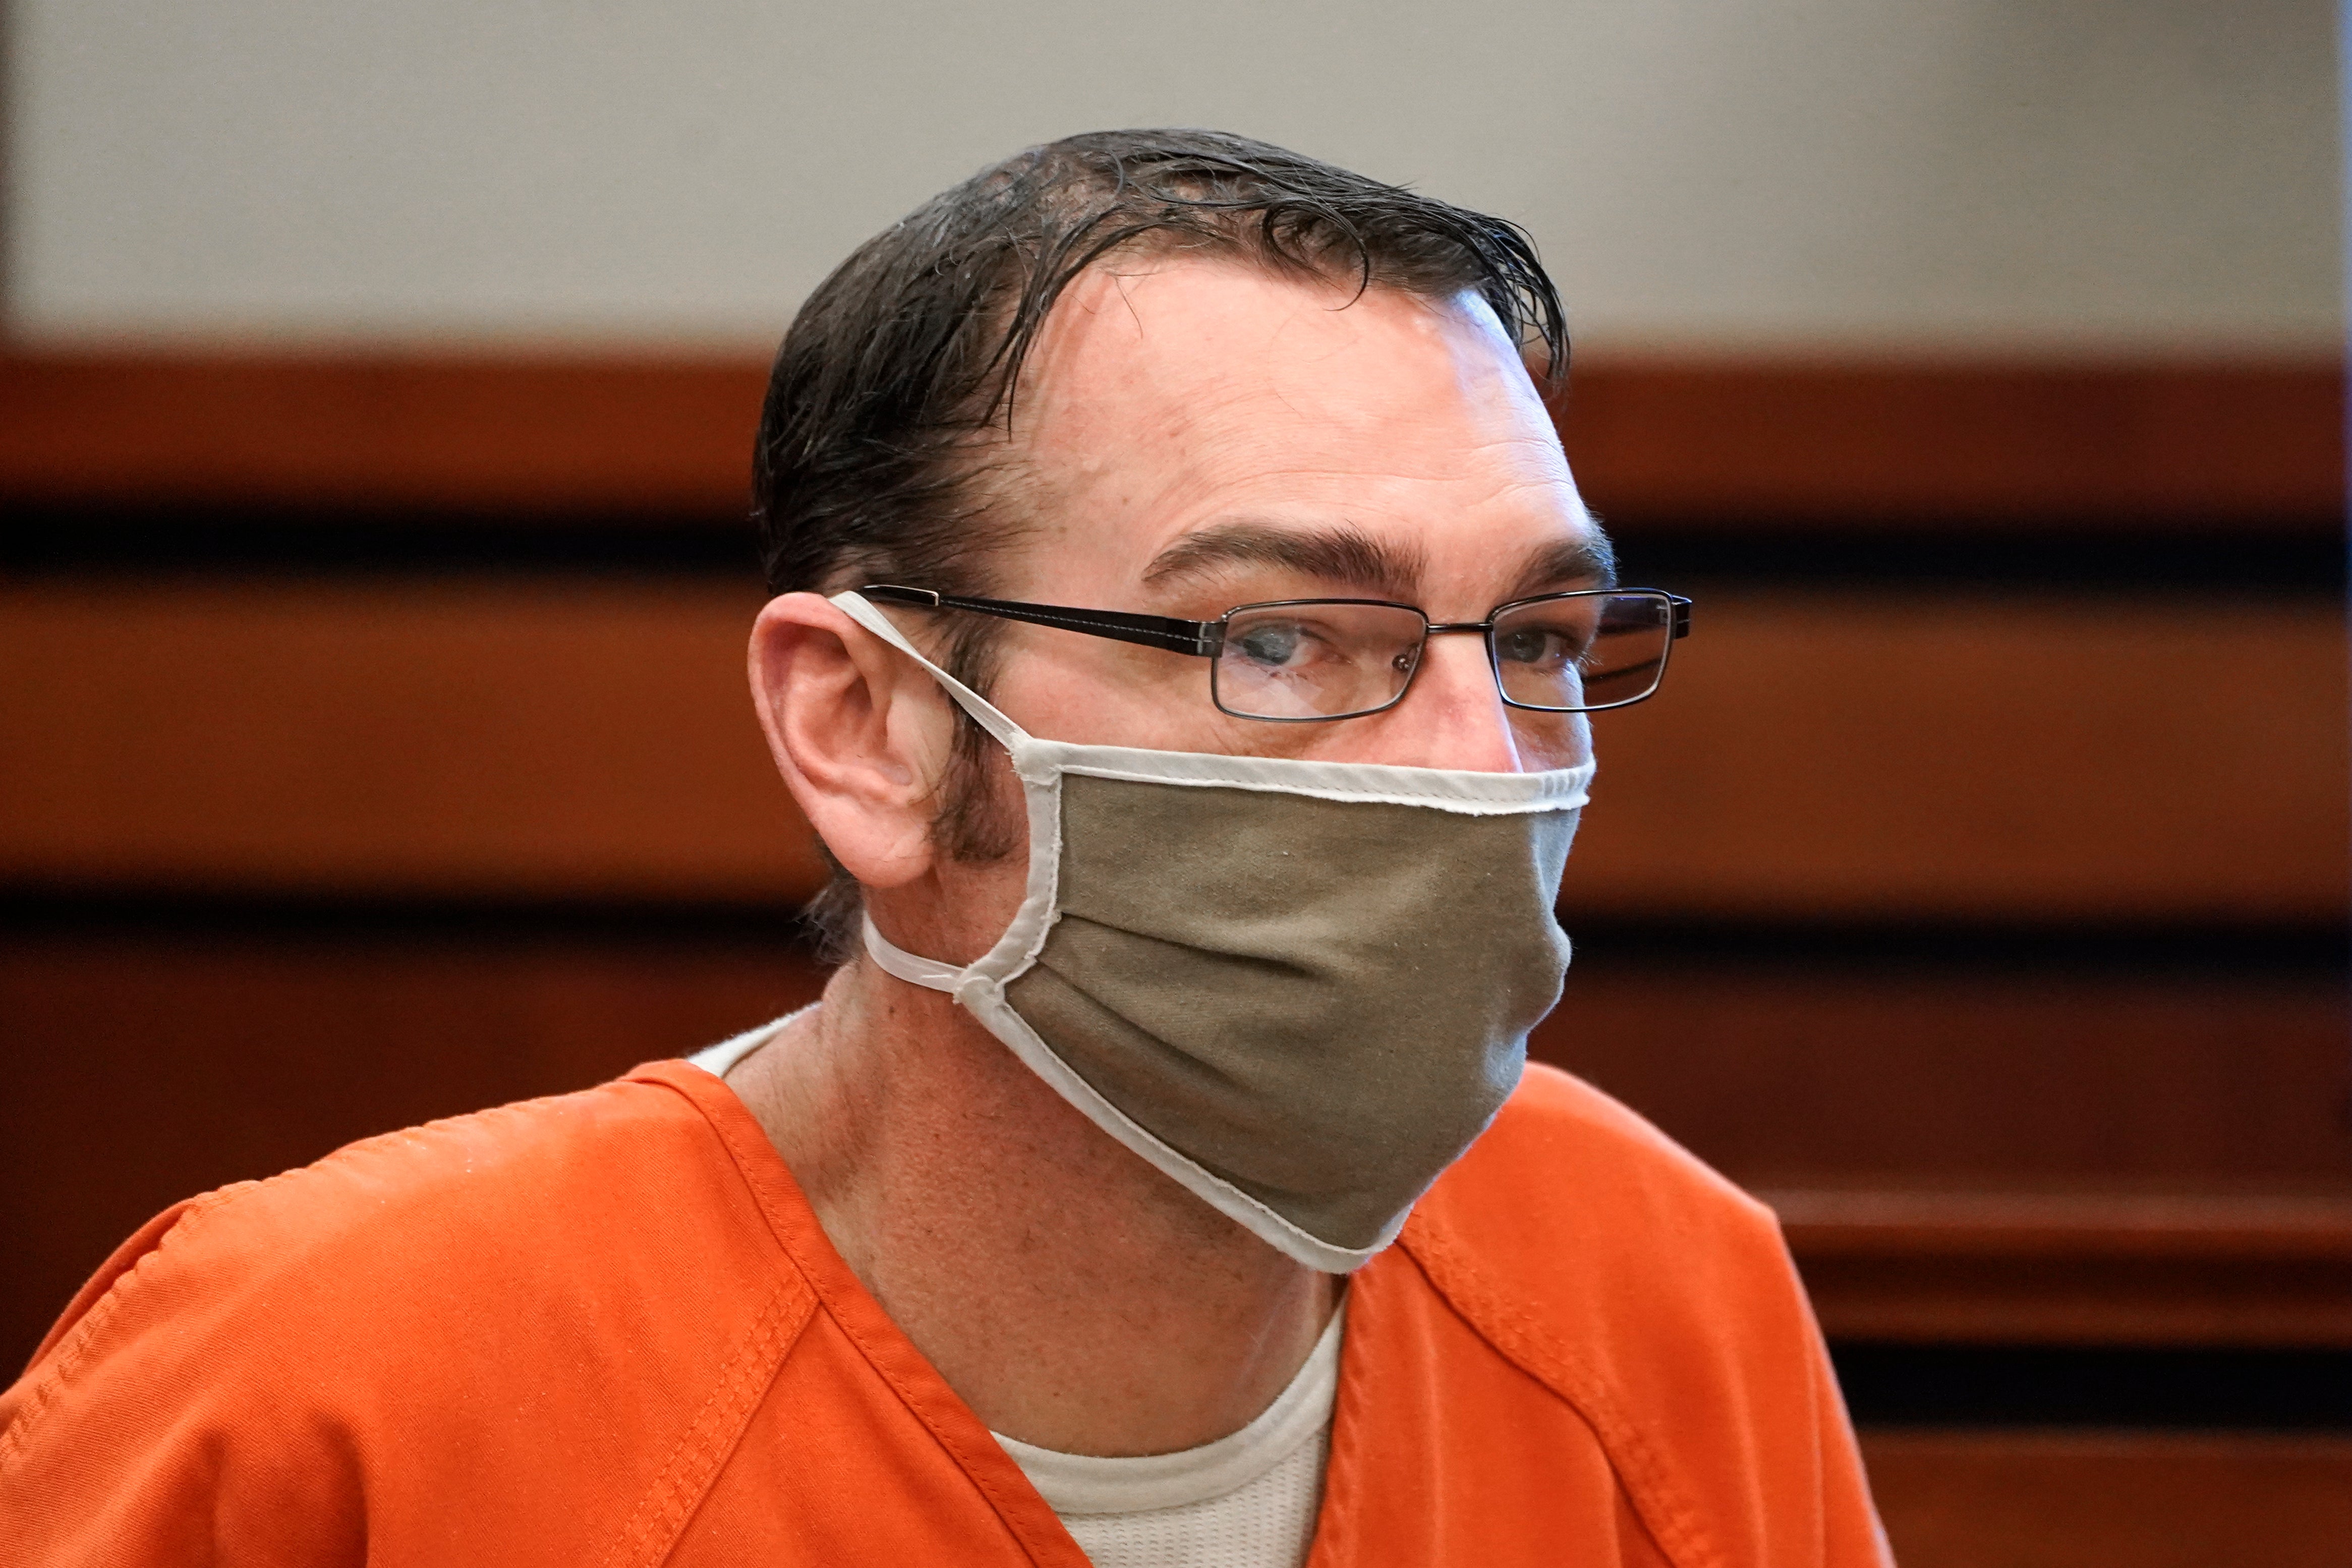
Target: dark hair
[882,446]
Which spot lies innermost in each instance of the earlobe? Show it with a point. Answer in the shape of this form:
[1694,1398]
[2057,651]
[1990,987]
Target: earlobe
[860,745]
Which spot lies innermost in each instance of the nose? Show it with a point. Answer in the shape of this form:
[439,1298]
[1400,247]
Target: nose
[1453,715]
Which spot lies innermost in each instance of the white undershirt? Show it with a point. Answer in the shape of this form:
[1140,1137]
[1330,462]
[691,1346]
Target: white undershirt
[1248,1501]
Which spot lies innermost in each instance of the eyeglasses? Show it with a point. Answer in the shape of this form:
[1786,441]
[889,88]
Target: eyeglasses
[1299,661]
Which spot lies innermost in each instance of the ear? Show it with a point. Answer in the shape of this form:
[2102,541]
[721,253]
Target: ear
[860,732]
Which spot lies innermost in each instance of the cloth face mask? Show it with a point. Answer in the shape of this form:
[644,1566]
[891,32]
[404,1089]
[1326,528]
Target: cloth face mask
[1301,989]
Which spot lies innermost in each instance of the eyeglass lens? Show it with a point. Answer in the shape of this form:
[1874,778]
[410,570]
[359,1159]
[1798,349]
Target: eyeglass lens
[1331,659]
[1592,651]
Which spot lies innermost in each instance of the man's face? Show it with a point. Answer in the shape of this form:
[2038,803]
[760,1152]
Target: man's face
[1198,435]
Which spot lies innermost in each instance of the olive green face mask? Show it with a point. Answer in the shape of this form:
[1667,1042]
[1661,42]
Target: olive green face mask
[1299,988]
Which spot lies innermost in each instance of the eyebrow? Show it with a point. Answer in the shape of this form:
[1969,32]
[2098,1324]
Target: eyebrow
[1341,554]
[1592,558]
[1347,554]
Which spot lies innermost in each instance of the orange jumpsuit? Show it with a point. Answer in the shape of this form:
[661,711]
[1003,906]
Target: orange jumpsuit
[606,1329]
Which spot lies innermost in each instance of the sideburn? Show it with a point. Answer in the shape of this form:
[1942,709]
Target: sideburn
[982,817]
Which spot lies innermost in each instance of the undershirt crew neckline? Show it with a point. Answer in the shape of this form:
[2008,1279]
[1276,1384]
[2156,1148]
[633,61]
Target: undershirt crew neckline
[1088,1484]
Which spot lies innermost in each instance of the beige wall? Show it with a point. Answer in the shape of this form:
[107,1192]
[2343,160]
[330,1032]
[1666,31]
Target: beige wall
[1970,174]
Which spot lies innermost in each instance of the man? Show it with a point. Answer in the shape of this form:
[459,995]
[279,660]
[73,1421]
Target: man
[1185,630]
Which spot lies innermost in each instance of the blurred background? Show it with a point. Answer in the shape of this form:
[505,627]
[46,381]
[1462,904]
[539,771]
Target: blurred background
[374,412]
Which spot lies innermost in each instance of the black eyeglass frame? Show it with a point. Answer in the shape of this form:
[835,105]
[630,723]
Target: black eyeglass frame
[1206,639]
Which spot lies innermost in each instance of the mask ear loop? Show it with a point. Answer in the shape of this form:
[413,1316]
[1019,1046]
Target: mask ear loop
[986,977]
[911,968]
[862,610]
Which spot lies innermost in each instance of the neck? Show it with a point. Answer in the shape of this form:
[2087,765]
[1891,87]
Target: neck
[1075,1297]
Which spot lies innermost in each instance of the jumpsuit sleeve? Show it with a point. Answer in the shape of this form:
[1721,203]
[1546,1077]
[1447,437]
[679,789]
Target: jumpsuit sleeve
[165,1419]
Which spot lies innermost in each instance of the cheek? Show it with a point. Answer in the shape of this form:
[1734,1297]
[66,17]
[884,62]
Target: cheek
[1547,741]
[1096,692]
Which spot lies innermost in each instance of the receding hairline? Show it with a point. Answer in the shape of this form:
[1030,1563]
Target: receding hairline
[1464,306]
[1343,288]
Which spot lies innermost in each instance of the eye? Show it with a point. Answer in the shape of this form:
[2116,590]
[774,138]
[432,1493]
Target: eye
[1535,645]
[1271,642]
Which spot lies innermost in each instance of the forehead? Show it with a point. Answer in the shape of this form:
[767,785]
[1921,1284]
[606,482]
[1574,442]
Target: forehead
[1164,394]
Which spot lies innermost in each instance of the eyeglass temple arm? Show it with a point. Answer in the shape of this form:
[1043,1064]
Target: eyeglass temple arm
[1202,639]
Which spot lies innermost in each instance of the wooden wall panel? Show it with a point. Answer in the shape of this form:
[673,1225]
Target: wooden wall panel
[2112,1499]
[2076,1268]
[2044,759]
[1874,443]
[1953,1077]
[1991,446]
[546,435]
[1818,757]
[512,741]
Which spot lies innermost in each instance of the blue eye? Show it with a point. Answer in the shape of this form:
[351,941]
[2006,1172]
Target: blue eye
[1530,647]
[1270,644]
